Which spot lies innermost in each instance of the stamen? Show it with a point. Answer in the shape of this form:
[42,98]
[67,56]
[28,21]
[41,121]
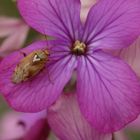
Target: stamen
[79,48]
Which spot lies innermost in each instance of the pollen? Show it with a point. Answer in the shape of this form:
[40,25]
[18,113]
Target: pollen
[79,48]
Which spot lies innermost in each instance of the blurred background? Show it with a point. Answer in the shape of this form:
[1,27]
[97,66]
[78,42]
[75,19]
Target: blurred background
[13,30]
[9,11]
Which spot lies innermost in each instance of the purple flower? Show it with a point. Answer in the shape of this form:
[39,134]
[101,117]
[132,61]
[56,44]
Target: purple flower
[14,31]
[131,55]
[108,91]
[120,136]
[67,122]
[24,126]
[36,126]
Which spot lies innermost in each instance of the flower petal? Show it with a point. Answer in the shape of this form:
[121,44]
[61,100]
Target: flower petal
[36,124]
[109,95]
[39,131]
[131,55]
[86,5]
[67,122]
[29,119]
[41,90]
[134,126]
[8,25]
[15,40]
[24,126]
[120,136]
[9,128]
[58,18]
[113,24]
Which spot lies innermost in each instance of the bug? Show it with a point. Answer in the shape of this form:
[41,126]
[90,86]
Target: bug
[30,66]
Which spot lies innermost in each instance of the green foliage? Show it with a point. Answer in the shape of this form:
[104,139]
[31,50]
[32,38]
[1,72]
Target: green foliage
[8,8]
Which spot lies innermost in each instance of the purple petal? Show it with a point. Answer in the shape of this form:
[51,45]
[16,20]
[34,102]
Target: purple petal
[8,25]
[15,40]
[113,24]
[86,5]
[58,18]
[134,126]
[39,130]
[14,31]
[29,119]
[120,136]
[24,126]
[9,128]
[131,55]
[41,90]
[67,122]
[109,95]
[35,125]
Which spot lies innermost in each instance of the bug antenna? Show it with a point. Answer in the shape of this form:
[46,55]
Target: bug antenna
[47,41]
[46,38]
[44,33]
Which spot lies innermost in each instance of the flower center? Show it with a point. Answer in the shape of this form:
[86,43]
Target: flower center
[79,48]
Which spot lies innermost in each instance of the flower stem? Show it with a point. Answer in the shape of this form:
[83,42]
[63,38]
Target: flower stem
[113,136]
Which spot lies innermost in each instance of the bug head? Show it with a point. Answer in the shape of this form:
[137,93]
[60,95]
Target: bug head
[40,56]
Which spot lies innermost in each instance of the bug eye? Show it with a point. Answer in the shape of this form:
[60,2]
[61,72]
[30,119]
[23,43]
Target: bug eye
[36,58]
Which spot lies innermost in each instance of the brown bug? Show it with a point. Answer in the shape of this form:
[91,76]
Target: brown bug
[30,66]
